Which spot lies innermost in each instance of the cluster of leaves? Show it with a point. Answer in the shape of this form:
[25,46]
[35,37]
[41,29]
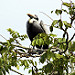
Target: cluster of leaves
[8,58]
[16,35]
[8,52]
[58,62]
[43,39]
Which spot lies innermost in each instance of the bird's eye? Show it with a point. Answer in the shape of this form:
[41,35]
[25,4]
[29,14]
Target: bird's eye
[36,18]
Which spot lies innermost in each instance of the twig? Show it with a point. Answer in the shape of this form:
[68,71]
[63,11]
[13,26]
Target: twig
[72,37]
[20,46]
[46,24]
[47,15]
[35,50]
[32,52]
[17,42]
[3,37]
[66,40]
[17,72]
[27,56]
[73,28]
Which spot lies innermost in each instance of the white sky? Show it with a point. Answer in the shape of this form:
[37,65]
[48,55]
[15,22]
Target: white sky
[13,14]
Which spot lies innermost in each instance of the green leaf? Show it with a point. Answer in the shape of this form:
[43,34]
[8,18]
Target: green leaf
[54,22]
[51,28]
[67,4]
[26,64]
[17,67]
[58,56]
[1,47]
[72,47]
[6,68]
[58,11]
[11,40]
[9,66]
[32,62]
[51,11]
[40,42]
[3,70]
[72,59]
[60,23]
[30,71]
[35,63]
[65,11]
[10,30]
[53,35]
[72,73]
[67,24]
[48,68]
[33,42]
[43,58]
[37,41]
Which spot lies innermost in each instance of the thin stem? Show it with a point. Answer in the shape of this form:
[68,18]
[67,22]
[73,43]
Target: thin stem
[66,41]
[3,37]
[47,15]
[73,27]
[72,37]
[16,72]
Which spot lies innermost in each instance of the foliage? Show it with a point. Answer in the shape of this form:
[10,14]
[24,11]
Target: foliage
[59,58]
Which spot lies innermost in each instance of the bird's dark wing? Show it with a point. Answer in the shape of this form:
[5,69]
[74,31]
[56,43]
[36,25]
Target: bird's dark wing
[33,29]
[37,28]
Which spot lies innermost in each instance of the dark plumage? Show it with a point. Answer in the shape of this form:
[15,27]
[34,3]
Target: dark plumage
[34,28]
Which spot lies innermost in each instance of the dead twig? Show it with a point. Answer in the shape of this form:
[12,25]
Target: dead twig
[3,37]
[47,15]
[16,72]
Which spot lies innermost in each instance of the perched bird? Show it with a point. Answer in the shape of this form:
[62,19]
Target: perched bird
[34,28]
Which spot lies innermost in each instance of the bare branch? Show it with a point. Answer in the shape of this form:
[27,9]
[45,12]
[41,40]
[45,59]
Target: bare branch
[72,37]
[73,27]
[3,37]
[17,42]
[27,56]
[65,31]
[20,46]
[17,72]
[47,15]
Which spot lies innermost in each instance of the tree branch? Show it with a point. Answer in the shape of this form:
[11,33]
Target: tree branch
[65,31]
[16,72]
[3,37]
[47,15]
[72,37]
[73,27]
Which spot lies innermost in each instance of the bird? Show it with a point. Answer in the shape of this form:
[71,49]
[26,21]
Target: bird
[34,28]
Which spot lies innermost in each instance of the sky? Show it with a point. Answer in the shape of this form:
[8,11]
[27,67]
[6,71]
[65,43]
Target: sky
[13,14]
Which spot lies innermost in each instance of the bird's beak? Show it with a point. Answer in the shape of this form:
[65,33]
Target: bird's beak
[31,16]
